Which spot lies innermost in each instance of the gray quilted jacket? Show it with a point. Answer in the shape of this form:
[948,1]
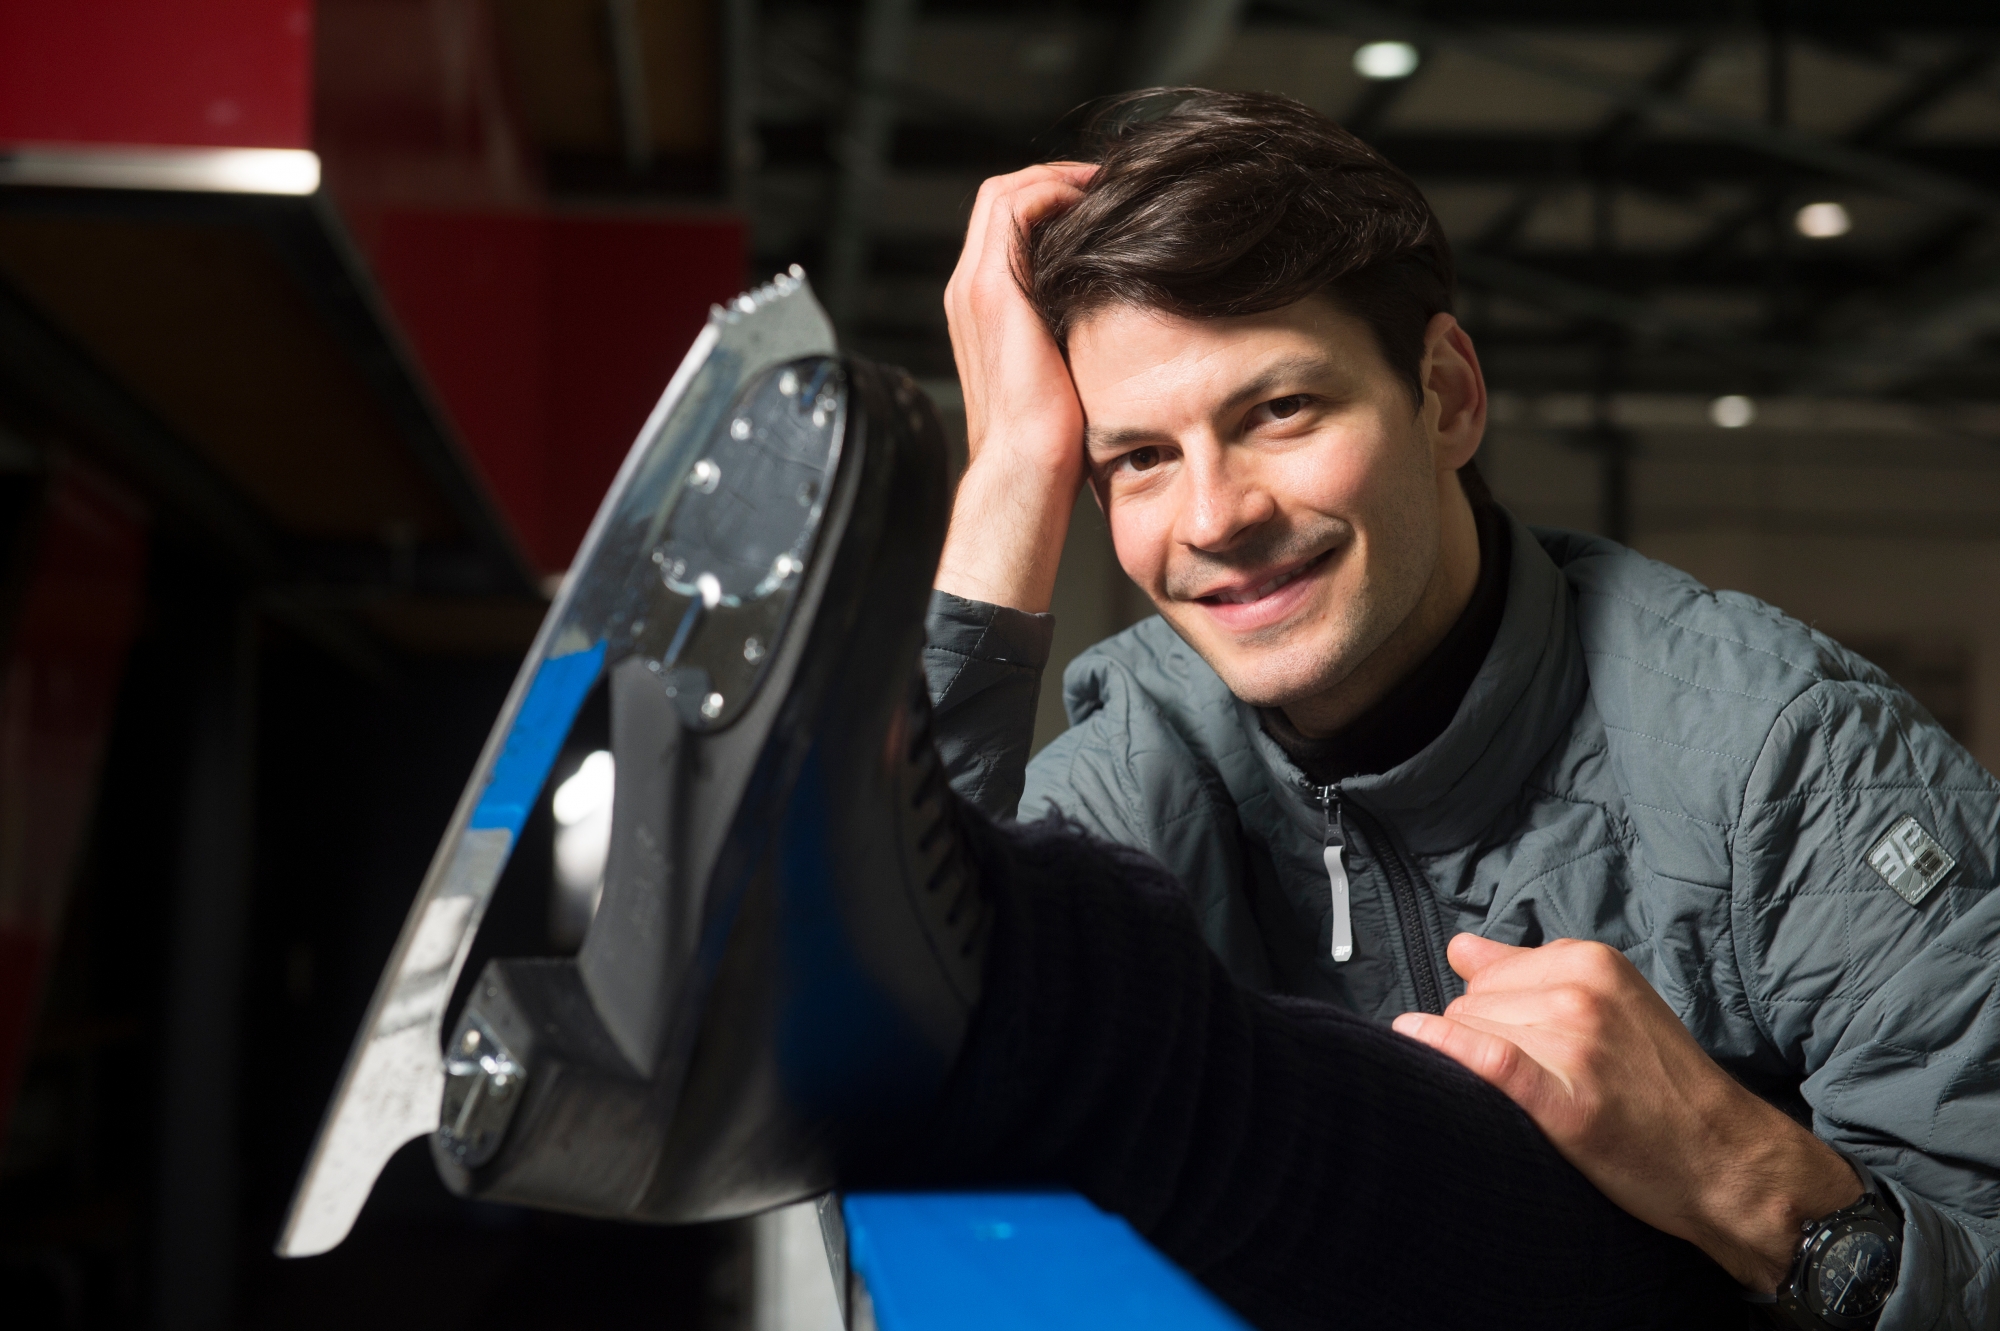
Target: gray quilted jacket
[1793,852]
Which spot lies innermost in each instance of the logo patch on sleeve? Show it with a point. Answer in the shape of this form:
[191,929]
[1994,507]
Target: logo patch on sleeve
[1910,860]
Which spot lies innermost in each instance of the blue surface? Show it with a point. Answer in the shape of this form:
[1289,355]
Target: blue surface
[561,684]
[1002,1261]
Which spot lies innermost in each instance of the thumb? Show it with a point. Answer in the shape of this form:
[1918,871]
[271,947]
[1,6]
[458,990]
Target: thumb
[1470,954]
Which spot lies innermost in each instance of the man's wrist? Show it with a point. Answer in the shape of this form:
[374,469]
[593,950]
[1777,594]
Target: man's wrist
[1006,537]
[1778,1180]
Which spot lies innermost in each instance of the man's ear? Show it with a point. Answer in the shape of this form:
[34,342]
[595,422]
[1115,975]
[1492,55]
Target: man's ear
[1454,393]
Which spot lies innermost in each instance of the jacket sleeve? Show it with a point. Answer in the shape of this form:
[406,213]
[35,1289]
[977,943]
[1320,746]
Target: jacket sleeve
[983,664]
[1867,932]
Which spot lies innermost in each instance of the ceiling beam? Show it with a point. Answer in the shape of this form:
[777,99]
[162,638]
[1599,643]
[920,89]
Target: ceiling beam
[1933,323]
[1644,320]
[1777,142]
[1919,94]
[1616,131]
[1926,89]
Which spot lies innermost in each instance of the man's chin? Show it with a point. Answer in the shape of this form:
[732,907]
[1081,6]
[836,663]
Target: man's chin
[1266,693]
[1276,676]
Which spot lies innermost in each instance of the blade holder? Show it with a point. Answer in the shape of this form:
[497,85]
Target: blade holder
[483,1084]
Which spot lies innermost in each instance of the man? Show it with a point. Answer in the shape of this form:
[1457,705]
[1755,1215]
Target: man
[1700,891]
[1656,864]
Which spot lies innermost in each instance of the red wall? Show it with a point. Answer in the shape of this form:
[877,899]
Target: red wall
[232,73]
[627,296]
[549,338]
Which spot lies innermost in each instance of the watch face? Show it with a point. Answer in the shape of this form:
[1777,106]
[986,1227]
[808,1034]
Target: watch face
[1854,1273]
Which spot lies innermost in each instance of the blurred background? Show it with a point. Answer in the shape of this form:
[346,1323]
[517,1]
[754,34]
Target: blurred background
[323,327]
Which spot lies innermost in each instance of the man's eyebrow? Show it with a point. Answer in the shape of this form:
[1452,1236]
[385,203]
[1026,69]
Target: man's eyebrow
[1097,439]
[1284,373]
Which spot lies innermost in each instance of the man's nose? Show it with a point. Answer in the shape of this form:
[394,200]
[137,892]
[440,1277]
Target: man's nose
[1224,498]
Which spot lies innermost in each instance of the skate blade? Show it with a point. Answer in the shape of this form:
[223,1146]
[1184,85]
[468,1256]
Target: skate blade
[392,1087]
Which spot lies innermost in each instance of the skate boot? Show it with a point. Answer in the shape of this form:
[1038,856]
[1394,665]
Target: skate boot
[790,940]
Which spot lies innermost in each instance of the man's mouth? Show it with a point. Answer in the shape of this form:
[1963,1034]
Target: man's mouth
[1246,595]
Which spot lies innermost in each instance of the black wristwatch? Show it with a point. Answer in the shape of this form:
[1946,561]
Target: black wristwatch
[1847,1264]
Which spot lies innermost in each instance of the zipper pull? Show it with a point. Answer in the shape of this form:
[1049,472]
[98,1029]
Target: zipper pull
[1334,852]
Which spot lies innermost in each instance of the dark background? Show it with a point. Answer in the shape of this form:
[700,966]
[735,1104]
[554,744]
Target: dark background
[362,433]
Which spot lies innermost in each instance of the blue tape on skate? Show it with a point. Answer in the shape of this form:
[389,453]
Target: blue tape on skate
[1017,1262]
[561,684]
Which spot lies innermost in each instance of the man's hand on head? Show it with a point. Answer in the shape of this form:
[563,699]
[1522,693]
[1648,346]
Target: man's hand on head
[1573,1033]
[1024,425]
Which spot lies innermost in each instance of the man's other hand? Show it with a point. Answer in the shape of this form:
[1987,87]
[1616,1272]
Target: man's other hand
[1024,426]
[1573,1033]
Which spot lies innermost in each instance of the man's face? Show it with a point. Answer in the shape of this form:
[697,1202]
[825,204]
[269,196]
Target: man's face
[1268,482]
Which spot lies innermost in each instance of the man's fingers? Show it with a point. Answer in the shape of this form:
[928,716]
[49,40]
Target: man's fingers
[1469,954]
[1486,964]
[1000,193]
[1078,174]
[990,241]
[1569,1008]
[984,284]
[1493,1058]
[1024,197]
[1022,210]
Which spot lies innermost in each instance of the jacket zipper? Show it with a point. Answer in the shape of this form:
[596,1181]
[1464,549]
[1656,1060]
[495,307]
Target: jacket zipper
[1402,891]
[1333,850]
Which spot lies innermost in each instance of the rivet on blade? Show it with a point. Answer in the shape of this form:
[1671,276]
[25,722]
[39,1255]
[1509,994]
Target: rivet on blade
[739,428]
[705,476]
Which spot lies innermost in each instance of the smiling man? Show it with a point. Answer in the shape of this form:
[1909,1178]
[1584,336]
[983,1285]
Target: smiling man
[1704,894]
[1280,498]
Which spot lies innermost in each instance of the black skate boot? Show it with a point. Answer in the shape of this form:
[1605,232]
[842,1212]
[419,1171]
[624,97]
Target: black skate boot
[790,940]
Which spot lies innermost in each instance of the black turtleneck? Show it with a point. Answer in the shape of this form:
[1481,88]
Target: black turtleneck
[1422,703]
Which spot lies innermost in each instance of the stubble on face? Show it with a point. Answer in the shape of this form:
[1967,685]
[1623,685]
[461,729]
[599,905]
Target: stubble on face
[1376,568]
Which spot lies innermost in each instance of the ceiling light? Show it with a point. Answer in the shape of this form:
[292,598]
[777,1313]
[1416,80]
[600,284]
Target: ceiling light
[1732,412]
[205,170]
[1823,221]
[1386,60]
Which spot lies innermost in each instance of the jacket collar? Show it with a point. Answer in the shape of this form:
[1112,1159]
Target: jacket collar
[1520,703]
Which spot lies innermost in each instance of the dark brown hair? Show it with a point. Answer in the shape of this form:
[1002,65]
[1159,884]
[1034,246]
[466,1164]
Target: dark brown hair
[1208,204]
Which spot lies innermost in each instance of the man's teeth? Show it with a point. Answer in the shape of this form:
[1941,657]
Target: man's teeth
[1259,593]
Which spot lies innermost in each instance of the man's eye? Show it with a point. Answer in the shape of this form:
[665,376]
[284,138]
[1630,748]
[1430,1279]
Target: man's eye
[1143,459]
[1283,408]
